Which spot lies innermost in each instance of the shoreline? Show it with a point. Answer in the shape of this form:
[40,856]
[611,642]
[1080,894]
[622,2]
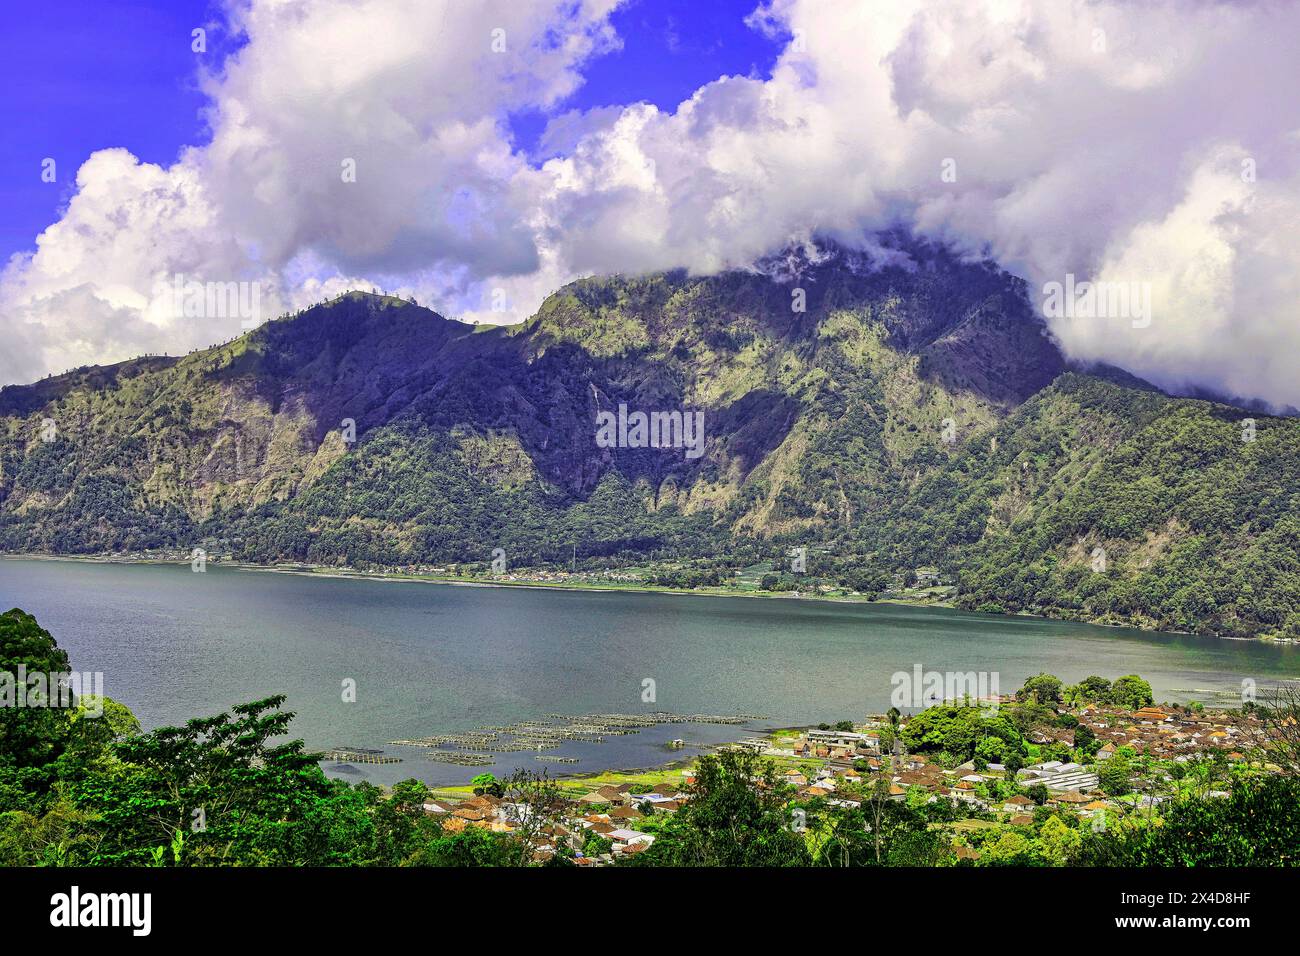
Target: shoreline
[356,575]
[586,781]
[570,777]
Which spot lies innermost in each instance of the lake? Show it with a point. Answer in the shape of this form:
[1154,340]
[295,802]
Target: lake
[430,659]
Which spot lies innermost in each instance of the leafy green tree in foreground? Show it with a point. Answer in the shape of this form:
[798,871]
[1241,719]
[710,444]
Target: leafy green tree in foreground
[1277,734]
[737,816]
[82,786]
[1114,775]
[1257,825]
[214,791]
[29,736]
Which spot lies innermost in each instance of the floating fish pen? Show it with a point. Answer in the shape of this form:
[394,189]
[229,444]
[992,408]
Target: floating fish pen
[444,740]
[517,745]
[421,741]
[604,730]
[358,756]
[550,732]
[461,758]
[551,758]
[613,722]
[543,723]
[651,720]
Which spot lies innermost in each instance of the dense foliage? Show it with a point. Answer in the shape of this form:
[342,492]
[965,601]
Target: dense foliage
[1257,825]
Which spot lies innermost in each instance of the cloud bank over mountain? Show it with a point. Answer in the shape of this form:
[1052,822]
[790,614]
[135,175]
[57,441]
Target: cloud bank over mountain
[1123,142]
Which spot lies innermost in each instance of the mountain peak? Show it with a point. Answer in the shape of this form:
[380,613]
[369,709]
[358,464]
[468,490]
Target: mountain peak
[970,321]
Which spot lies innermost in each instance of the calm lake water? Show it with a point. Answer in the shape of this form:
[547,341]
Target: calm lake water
[430,659]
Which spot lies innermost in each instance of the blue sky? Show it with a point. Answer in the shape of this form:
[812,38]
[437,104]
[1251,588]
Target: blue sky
[81,75]
[76,77]
[670,49]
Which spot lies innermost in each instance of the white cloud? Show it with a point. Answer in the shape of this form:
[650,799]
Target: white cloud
[1102,139]
[85,293]
[411,94]
[1225,277]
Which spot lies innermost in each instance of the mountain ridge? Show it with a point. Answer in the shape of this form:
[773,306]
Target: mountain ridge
[905,415]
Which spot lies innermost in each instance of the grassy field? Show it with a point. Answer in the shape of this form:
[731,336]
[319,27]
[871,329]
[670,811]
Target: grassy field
[576,786]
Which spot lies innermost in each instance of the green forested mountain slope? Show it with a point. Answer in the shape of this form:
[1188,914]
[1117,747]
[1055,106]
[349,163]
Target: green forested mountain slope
[1198,527]
[824,427]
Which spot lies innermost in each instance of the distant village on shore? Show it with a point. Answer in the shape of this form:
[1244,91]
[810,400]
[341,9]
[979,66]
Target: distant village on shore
[844,764]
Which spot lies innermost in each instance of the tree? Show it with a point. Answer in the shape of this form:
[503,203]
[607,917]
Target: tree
[535,809]
[898,833]
[61,837]
[1010,849]
[486,783]
[1114,775]
[1043,689]
[837,832]
[472,846]
[1256,825]
[30,736]
[1276,733]
[959,731]
[990,749]
[219,787]
[1093,688]
[736,816]
[596,845]
[1130,691]
[1085,740]
[1013,762]
[1059,840]
[398,821]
